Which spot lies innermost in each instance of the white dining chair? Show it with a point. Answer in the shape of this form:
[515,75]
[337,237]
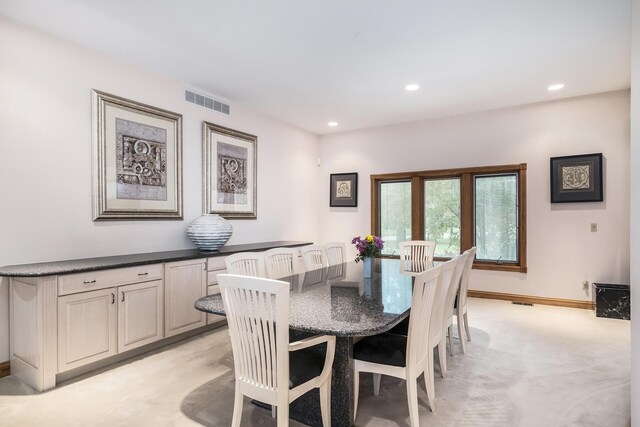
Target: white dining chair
[416,253]
[449,302]
[267,367]
[281,262]
[336,253]
[314,257]
[436,338]
[460,310]
[402,356]
[246,264]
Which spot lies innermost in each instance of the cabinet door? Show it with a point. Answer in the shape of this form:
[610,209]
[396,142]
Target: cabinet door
[86,328]
[140,314]
[184,283]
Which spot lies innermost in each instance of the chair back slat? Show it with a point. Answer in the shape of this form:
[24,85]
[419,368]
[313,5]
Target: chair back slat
[258,329]
[464,281]
[314,257]
[281,262]
[336,253]
[246,264]
[422,305]
[417,252]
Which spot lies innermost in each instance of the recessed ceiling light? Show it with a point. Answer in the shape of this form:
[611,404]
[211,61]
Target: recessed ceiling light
[557,86]
[332,124]
[412,87]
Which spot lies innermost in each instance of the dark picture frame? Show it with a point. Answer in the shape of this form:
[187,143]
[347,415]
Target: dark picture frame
[344,190]
[577,178]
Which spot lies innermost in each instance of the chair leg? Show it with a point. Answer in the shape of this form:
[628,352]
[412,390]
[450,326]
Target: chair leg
[442,356]
[274,412]
[237,409]
[461,333]
[412,398]
[430,381]
[356,392]
[325,402]
[376,384]
[466,326]
[450,331]
[283,414]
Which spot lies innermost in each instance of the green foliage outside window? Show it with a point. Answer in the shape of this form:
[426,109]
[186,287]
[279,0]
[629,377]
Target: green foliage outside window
[442,215]
[395,214]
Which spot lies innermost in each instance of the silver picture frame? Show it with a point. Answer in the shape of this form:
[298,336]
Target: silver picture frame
[230,177]
[137,160]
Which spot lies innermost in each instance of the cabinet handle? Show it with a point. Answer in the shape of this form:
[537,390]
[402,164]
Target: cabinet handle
[87,282]
[143,274]
[122,297]
[113,298]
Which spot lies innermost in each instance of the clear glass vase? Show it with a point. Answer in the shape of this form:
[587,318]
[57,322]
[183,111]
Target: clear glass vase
[368,266]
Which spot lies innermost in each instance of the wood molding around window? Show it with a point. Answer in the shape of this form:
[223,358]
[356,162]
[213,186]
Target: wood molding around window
[466,206]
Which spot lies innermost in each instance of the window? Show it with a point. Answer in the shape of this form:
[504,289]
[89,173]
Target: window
[442,215]
[496,217]
[395,214]
[456,208]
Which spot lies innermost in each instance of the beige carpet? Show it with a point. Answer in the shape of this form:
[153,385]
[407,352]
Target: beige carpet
[526,366]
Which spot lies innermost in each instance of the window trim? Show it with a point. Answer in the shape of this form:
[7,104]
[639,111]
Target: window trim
[467,217]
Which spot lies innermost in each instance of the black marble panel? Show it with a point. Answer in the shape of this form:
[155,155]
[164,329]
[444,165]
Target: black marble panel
[55,268]
[612,301]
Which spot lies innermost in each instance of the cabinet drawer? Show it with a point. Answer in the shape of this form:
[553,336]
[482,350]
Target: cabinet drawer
[212,277]
[82,282]
[216,263]
[213,290]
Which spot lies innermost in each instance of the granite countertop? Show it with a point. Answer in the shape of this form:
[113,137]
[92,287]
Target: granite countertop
[339,301]
[105,263]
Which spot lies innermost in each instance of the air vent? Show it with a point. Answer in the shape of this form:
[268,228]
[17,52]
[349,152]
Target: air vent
[522,303]
[206,102]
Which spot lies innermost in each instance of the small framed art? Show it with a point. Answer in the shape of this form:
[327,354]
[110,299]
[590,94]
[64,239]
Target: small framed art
[137,156]
[577,178]
[230,172]
[344,190]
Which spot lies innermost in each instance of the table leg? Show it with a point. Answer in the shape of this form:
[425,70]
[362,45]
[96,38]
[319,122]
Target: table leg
[306,408]
[342,388]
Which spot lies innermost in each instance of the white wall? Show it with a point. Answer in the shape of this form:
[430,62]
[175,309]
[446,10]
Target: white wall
[635,213]
[45,159]
[561,251]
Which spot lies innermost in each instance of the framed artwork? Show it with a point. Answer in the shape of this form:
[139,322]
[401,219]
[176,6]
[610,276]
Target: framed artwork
[230,172]
[344,190]
[577,178]
[137,155]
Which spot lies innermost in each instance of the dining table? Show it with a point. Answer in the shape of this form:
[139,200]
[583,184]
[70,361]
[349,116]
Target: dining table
[338,300]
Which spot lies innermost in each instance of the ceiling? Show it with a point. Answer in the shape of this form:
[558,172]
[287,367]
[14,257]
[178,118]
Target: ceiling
[310,62]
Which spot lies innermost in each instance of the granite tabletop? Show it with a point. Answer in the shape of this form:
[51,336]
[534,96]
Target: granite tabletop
[339,301]
[118,261]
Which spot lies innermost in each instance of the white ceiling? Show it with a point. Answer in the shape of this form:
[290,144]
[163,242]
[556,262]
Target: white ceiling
[308,62]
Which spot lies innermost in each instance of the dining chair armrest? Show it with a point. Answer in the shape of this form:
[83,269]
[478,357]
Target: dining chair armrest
[311,341]
[331,351]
